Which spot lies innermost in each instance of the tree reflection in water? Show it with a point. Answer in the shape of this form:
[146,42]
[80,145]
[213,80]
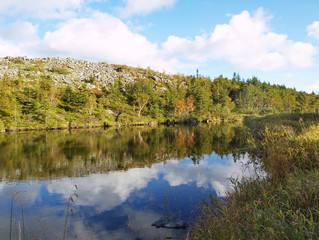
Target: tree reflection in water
[55,154]
[127,177]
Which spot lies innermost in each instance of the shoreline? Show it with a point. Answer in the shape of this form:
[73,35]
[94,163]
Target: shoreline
[105,125]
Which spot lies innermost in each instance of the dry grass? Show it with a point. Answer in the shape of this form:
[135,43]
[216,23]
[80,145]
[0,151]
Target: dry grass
[285,151]
[283,205]
[260,209]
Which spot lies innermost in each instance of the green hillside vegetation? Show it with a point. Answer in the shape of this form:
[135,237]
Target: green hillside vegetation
[33,99]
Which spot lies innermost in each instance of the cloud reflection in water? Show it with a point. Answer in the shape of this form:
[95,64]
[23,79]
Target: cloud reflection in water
[106,191]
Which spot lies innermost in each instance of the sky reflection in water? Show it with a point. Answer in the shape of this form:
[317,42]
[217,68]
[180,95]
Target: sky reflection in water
[122,203]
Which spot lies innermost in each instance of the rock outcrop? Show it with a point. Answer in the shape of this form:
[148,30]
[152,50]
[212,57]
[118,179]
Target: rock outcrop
[75,72]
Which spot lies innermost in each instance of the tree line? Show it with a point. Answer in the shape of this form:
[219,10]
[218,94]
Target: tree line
[41,102]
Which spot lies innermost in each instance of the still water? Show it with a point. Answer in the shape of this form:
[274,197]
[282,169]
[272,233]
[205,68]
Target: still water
[127,179]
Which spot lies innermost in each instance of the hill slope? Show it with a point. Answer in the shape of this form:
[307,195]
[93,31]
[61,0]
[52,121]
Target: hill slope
[58,92]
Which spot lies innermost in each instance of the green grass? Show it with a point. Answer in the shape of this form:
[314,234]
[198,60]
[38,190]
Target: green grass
[261,209]
[282,205]
[286,143]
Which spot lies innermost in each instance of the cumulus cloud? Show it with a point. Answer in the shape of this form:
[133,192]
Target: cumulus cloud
[100,37]
[246,43]
[16,38]
[104,38]
[8,48]
[19,31]
[313,30]
[143,7]
[49,9]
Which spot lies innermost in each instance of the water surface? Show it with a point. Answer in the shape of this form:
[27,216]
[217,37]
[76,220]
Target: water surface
[127,178]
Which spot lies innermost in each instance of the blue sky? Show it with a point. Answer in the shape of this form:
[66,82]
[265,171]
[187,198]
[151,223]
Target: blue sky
[276,41]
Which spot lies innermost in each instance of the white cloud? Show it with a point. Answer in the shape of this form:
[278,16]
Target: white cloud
[100,37]
[19,31]
[300,54]
[246,43]
[313,30]
[143,7]
[16,38]
[8,48]
[176,47]
[48,9]
[104,38]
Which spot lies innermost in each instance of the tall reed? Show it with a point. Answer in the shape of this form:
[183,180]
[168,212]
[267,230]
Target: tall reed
[16,196]
[68,209]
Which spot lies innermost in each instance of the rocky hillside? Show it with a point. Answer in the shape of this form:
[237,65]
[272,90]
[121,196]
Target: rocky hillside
[69,71]
[57,92]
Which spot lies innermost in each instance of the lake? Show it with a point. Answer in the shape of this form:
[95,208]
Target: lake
[125,179]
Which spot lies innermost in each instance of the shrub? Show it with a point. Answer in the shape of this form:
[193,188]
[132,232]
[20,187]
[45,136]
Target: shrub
[18,61]
[60,70]
[31,68]
[266,111]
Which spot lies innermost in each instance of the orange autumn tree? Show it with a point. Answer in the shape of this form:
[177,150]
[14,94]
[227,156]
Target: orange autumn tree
[185,106]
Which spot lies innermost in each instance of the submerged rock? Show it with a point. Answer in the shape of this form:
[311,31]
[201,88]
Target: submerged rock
[170,222]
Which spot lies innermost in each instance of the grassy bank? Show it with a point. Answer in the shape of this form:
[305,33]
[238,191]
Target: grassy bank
[126,121]
[283,205]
